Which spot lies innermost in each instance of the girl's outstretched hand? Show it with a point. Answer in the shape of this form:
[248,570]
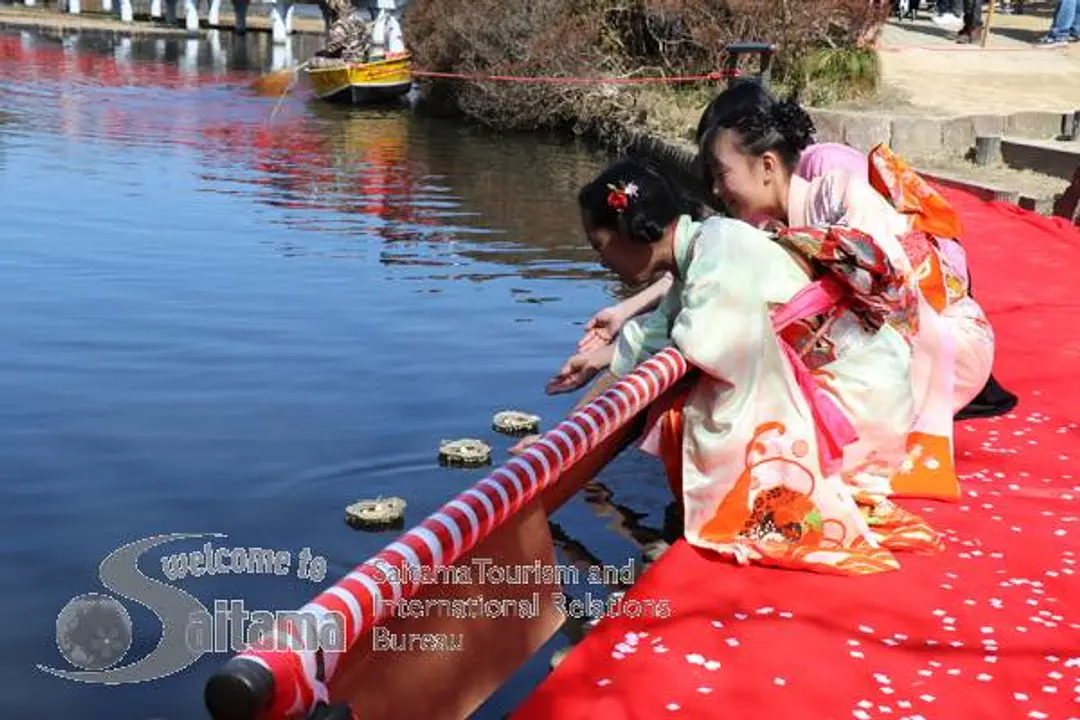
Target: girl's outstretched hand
[602,329]
[575,373]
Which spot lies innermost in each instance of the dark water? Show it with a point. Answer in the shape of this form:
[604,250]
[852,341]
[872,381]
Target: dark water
[215,323]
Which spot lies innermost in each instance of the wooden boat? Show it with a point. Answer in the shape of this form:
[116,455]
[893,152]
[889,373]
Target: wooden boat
[369,83]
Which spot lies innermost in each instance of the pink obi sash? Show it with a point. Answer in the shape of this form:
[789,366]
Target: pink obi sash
[831,425]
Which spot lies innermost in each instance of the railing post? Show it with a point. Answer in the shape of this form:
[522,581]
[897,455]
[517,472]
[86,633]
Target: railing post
[240,7]
[191,16]
[765,52]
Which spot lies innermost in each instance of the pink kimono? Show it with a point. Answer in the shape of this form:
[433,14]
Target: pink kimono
[821,158]
[926,456]
[964,318]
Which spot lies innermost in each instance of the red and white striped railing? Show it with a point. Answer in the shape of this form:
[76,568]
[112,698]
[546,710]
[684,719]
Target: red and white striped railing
[365,596]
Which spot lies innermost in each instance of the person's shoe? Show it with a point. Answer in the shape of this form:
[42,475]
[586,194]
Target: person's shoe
[992,401]
[970,37]
[948,21]
[1049,41]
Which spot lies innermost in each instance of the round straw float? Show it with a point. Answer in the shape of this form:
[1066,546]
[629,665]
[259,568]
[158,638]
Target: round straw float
[515,422]
[465,452]
[378,514]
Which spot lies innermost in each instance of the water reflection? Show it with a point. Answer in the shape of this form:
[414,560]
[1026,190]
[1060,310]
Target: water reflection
[432,202]
[435,197]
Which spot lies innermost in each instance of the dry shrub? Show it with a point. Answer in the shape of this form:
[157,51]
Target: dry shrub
[546,38]
[598,38]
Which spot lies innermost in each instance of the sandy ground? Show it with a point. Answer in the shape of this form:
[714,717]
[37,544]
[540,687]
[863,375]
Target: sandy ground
[924,72]
[924,69]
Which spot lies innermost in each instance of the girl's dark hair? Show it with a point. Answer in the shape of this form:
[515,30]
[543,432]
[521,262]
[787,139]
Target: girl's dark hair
[653,203]
[762,122]
[741,96]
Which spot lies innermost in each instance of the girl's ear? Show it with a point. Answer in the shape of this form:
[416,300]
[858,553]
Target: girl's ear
[770,166]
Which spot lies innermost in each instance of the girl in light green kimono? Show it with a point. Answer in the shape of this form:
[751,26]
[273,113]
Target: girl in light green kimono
[753,449]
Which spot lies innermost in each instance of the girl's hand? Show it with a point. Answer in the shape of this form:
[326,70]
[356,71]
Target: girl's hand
[602,329]
[575,373]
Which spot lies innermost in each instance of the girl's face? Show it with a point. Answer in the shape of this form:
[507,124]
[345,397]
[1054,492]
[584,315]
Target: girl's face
[747,185]
[632,261]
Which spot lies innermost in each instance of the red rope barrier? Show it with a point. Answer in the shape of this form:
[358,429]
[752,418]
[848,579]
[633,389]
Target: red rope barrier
[715,75]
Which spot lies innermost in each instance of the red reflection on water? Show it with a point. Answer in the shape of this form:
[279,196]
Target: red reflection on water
[361,165]
[40,59]
[348,163]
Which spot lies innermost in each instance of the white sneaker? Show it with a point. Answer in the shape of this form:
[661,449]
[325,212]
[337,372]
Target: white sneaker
[948,21]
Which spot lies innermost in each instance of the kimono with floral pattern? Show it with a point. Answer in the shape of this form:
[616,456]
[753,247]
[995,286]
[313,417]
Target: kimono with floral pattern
[926,456]
[742,447]
[940,263]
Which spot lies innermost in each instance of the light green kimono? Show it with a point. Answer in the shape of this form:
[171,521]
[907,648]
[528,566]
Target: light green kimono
[752,485]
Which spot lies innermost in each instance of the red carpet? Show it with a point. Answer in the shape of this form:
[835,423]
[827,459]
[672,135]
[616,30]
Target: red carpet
[988,629]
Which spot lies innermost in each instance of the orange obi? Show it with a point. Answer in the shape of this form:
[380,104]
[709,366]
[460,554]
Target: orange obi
[931,217]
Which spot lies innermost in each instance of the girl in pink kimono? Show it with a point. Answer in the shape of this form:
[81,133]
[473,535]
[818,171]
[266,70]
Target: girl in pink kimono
[799,362]
[751,156]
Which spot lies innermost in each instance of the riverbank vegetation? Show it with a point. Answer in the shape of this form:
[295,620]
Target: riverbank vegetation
[824,54]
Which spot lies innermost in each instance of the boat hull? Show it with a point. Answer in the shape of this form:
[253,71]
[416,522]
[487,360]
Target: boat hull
[367,84]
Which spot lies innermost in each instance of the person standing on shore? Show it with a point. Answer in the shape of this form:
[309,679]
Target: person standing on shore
[1065,28]
[972,30]
[948,15]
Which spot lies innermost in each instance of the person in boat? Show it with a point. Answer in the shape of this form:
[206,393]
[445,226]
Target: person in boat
[348,35]
[941,263]
[753,448]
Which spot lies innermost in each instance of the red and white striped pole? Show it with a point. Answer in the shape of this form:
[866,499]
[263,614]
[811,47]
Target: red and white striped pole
[300,675]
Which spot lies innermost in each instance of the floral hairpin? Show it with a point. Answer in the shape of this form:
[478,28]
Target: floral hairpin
[619,197]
